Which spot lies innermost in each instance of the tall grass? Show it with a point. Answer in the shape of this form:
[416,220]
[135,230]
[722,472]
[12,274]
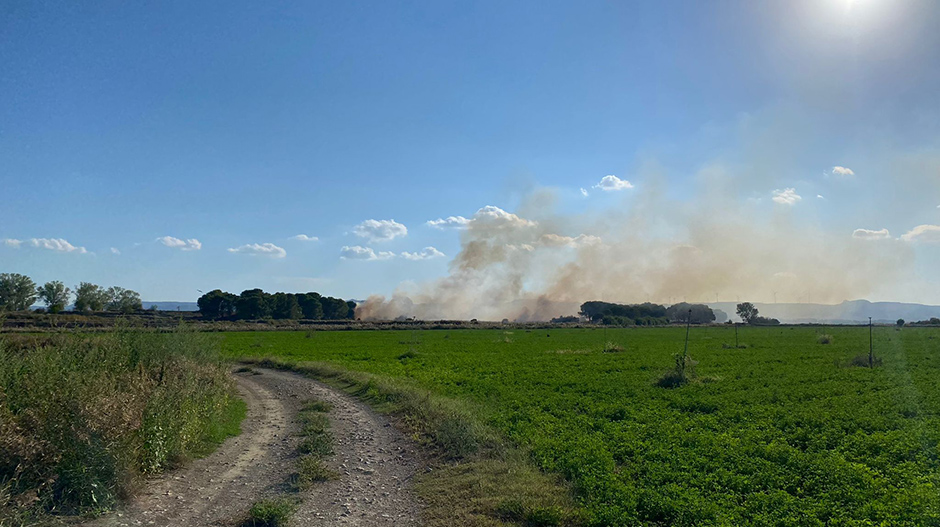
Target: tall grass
[82,417]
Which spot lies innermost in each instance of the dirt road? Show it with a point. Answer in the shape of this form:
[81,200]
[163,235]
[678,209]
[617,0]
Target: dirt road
[376,464]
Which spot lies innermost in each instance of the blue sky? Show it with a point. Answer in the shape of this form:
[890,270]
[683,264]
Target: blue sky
[241,124]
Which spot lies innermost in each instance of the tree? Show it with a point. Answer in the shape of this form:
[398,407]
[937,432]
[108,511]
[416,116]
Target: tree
[310,305]
[217,304]
[351,306]
[701,314]
[123,300]
[747,312]
[901,322]
[253,304]
[55,295]
[90,297]
[17,292]
[334,308]
[285,306]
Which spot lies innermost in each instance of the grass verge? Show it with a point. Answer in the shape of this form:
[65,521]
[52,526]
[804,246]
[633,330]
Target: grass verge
[478,479]
[83,417]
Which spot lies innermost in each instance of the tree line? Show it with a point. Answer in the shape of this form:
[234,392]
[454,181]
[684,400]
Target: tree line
[646,314]
[253,304]
[18,293]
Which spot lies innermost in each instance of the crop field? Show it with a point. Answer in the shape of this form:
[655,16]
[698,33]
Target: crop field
[783,430]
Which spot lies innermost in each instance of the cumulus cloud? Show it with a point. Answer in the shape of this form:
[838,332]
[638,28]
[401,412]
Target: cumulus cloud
[867,234]
[424,254]
[304,238]
[114,250]
[260,249]
[358,252]
[450,222]
[787,196]
[191,244]
[492,217]
[380,230]
[10,242]
[53,244]
[584,192]
[843,172]
[820,196]
[612,183]
[923,234]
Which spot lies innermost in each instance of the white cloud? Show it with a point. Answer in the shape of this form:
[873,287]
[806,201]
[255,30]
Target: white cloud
[584,192]
[820,196]
[495,217]
[191,244]
[867,234]
[425,254]
[451,222]
[10,242]
[56,244]
[786,196]
[260,249]
[304,238]
[115,251]
[842,172]
[612,183]
[357,252]
[923,234]
[380,230]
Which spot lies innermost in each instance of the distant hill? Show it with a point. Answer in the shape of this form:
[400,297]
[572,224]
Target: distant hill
[848,312]
[172,306]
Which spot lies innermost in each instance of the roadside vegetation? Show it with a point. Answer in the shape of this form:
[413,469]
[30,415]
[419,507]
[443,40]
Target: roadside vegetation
[83,417]
[778,431]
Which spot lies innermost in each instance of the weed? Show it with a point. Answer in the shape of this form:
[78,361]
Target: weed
[310,470]
[530,515]
[274,512]
[682,373]
[825,339]
[861,361]
[410,354]
[611,347]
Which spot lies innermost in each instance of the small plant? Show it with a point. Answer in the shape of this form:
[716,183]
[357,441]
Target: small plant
[827,339]
[310,470]
[611,347]
[410,354]
[309,334]
[530,516]
[680,375]
[244,369]
[862,361]
[270,513]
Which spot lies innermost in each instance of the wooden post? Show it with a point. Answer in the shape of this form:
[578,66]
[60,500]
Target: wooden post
[735,335]
[688,327]
[871,347]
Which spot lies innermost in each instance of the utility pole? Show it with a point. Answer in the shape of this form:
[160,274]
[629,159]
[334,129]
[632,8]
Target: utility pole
[735,335]
[688,327]
[871,347]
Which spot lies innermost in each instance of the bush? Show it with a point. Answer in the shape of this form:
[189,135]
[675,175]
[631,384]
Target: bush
[82,417]
[682,373]
[827,339]
[611,347]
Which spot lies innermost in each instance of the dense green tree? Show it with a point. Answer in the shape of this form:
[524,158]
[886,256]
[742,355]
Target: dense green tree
[55,295]
[747,311]
[253,304]
[310,305]
[351,310]
[217,304]
[17,292]
[701,314]
[285,306]
[620,313]
[334,308]
[90,297]
[123,300]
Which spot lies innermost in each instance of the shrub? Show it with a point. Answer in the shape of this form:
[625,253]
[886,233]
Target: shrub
[611,347]
[827,339]
[682,373]
[861,361]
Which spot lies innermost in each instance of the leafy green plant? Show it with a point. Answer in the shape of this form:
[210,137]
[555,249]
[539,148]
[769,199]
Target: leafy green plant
[272,512]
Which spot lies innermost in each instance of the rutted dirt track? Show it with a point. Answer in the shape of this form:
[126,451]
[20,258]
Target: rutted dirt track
[376,464]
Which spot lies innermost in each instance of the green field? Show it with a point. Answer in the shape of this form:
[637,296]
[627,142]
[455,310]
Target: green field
[783,432]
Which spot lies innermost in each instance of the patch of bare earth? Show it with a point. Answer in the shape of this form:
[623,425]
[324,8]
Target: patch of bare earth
[375,463]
